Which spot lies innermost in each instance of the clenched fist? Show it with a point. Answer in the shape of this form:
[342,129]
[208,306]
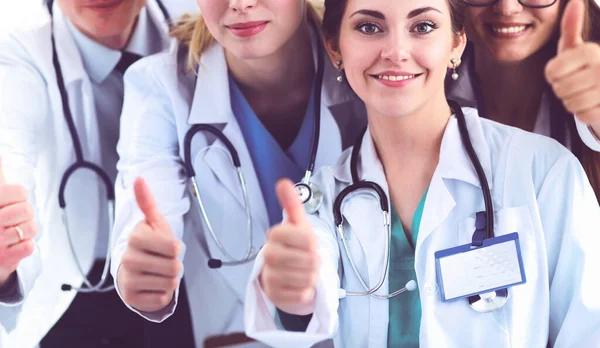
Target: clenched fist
[17,227]
[291,262]
[149,271]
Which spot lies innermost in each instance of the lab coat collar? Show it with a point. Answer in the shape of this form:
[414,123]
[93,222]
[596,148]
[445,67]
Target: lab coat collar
[212,102]
[99,61]
[454,161]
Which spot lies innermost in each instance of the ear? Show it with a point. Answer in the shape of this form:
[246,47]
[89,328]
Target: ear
[334,54]
[460,42]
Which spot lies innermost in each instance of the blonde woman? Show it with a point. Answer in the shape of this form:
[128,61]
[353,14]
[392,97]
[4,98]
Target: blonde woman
[245,71]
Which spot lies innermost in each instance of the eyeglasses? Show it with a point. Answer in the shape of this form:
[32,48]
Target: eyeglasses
[526,3]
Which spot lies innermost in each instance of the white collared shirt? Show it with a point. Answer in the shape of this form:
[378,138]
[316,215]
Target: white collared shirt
[100,62]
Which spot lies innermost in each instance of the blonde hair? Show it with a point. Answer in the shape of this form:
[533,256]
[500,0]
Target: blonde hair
[192,31]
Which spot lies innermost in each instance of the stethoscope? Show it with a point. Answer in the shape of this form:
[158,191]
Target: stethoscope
[81,163]
[486,302]
[309,193]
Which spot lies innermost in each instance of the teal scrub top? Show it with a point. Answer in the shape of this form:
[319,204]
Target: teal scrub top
[404,309]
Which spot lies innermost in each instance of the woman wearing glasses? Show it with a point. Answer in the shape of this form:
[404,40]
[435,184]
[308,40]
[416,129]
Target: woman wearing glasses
[533,64]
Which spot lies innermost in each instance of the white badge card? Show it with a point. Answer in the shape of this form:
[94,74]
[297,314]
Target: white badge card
[465,270]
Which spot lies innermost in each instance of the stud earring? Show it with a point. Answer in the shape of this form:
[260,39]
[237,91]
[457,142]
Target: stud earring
[340,78]
[454,65]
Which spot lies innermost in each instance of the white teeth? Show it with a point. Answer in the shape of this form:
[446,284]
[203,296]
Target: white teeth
[395,78]
[509,30]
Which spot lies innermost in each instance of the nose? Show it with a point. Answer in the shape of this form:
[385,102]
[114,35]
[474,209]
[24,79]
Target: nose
[507,7]
[396,49]
[242,5]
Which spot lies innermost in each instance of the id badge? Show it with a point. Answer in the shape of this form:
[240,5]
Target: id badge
[465,270]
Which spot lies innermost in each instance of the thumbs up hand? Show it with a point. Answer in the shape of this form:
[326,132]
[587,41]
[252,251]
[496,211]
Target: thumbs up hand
[291,261]
[575,72]
[17,227]
[149,271]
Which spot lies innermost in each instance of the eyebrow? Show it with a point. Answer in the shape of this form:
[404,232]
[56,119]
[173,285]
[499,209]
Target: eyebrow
[381,16]
[418,11]
[371,13]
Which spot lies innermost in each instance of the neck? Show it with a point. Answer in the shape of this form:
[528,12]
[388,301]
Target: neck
[511,92]
[414,137]
[409,149]
[115,42]
[273,75]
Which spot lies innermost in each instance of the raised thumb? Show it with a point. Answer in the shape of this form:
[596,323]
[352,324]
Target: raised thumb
[290,202]
[147,204]
[571,25]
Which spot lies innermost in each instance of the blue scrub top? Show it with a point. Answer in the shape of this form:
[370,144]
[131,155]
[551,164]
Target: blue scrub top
[404,309]
[271,162]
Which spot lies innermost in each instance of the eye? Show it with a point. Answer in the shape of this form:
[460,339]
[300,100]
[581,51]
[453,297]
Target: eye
[425,27]
[368,28]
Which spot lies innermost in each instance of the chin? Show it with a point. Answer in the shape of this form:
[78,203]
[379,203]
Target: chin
[511,56]
[251,50]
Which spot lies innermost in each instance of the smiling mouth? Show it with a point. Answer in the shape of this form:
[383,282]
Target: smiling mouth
[508,30]
[395,78]
[105,5]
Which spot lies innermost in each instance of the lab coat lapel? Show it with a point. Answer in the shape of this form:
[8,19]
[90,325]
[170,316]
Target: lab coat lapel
[211,105]
[454,164]
[79,88]
[364,216]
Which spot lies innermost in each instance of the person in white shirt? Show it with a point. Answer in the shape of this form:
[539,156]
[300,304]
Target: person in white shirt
[69,60]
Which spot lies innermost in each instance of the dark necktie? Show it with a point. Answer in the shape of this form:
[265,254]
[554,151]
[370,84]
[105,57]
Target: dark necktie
[127,59]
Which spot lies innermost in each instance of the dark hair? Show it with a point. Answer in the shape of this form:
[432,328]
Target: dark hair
[334,12]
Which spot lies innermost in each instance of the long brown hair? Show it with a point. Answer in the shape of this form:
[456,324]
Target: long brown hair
[192,32]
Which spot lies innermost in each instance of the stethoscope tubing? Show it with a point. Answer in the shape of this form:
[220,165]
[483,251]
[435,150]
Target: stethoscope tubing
[358,185]
[81,163]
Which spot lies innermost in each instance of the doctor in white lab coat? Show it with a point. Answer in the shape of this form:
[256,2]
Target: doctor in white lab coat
[413,149]
[163,100]
[36,149]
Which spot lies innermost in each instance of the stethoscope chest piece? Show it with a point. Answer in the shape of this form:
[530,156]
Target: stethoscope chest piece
[489,301]
[310,195]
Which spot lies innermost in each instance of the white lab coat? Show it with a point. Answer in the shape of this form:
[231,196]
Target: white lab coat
[158,111]
[36,149]
[538,189]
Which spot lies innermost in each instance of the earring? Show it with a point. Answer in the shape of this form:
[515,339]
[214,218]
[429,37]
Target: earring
[340,78]
[454,65]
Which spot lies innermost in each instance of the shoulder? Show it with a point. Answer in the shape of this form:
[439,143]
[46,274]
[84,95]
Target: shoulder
[518,155]
[167,70]
[29,43]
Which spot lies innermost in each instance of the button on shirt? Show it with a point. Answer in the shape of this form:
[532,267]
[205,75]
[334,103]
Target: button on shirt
[100,63]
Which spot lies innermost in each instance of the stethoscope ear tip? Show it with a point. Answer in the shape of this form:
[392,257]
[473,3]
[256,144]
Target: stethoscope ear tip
[66,287]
